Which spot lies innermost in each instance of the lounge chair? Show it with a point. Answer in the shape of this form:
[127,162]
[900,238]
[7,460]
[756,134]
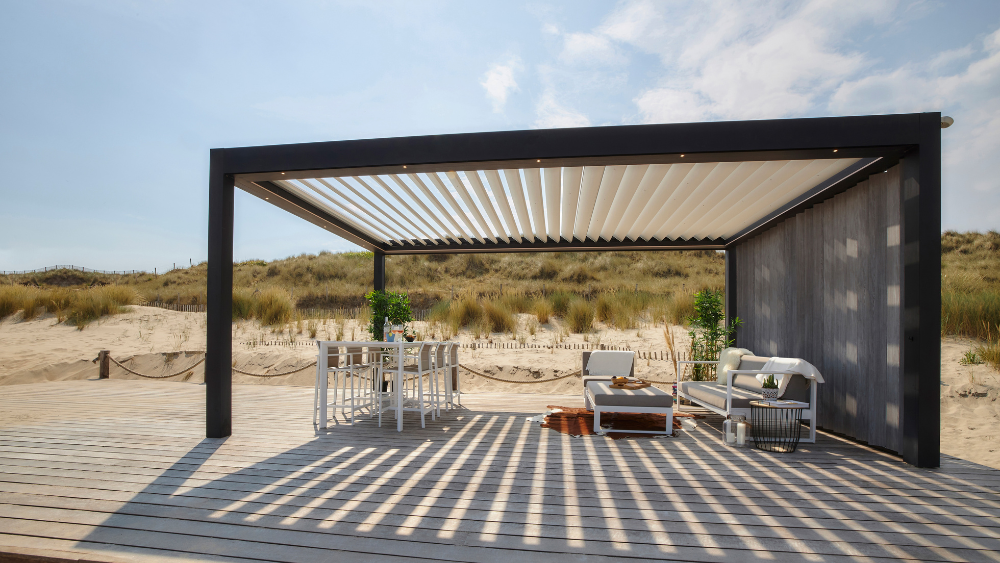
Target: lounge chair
[602,365]
[733,390]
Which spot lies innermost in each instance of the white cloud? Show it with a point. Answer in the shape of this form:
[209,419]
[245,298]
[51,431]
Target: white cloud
[740,60]
[499,83]
[551,114]
[590,49]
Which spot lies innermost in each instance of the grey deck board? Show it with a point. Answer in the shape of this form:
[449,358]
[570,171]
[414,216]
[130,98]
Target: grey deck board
[119,471]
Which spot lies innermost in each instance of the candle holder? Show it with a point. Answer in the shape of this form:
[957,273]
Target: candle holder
[735,431]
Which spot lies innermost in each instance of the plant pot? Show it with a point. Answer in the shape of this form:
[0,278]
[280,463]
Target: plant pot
[770,394]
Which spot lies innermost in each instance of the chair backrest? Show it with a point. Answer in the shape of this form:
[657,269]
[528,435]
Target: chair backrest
[453,362]
[441,354]
[748,381]
[355,356]
[586,359]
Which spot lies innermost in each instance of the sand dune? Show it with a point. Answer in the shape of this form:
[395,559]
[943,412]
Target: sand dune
[158,342]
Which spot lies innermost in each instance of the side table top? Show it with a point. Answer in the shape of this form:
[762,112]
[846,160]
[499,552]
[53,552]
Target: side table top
[779,404]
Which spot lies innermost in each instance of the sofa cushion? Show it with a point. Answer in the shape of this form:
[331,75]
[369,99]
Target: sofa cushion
[729,359]
[711,393]
[605,395]
[747,381]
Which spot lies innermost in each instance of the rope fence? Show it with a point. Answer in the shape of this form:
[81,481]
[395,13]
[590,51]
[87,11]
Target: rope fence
[313,363]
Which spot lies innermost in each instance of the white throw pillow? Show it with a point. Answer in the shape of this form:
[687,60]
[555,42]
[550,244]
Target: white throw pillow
[729,359]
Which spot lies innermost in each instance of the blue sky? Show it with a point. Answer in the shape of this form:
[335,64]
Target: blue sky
[108,109]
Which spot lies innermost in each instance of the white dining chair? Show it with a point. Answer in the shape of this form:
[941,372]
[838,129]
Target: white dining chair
[353,383]
[416,396]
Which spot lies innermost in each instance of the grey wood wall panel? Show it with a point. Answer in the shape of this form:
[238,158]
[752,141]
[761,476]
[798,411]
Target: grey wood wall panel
[824,286]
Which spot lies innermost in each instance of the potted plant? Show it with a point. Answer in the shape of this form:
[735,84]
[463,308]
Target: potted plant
[769,388]
[387,305]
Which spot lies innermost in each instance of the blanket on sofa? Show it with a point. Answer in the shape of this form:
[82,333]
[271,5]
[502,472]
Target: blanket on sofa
[797,365]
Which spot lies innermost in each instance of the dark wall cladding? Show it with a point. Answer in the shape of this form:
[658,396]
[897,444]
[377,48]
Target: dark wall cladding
[824,286]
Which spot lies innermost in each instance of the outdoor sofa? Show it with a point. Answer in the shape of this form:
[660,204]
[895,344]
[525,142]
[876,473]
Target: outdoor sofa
[732,392]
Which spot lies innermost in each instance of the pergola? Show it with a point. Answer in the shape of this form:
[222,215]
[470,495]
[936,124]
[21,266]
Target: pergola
[830,226]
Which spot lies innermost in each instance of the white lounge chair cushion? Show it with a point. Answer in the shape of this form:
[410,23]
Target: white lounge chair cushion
[607,362]
[729,359]
[797,365]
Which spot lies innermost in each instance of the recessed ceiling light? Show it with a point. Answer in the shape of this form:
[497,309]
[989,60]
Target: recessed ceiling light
[682,156]
[404,166]
[282,173]
[834,150]
[539,160]
[267,198]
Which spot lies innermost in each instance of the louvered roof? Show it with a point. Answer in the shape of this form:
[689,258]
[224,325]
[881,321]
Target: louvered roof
[589,188]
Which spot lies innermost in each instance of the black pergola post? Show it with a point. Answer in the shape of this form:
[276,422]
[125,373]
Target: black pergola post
[219,340]
[379,282]
[921,297]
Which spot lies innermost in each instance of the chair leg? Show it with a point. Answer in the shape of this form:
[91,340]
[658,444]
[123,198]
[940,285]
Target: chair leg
[597,420]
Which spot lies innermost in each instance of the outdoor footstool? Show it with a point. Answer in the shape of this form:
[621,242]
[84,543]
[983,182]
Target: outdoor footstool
[606,398]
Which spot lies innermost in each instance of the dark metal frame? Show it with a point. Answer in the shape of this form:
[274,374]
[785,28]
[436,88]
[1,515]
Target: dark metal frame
[882,140]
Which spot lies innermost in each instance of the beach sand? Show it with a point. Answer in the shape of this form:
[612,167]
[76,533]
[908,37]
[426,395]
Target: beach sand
[155,341]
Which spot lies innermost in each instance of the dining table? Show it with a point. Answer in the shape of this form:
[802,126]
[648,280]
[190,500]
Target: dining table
[394,349]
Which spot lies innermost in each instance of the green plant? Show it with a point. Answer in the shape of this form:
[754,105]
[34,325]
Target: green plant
[543,310]
[561,301]
[274,307]
[989,351]
[94,303]
[970,358]
[465,312]
[387,305]
[580,316]
[243,304]
[11,297]
[708,333]
[498,317]
[769,382]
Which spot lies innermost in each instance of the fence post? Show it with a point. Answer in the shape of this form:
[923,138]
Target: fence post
[105,363]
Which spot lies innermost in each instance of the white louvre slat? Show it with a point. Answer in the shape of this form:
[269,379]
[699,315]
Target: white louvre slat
[639,199]
[470,205]
[553,211]
[338,210]
[720,224]
[533,189]
[444,215]
[484,201]
[571,176]
[589,187]
[433,234]
[683,206]
[500,196]
[410,225]
[659,198]
[725,201]
[700,202]
[442,230]
[622,197]
[458,217]
[513,178]
[698,173]
[361,211]
[605,196]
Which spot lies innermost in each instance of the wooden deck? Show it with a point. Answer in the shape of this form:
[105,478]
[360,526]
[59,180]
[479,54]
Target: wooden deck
[119,471]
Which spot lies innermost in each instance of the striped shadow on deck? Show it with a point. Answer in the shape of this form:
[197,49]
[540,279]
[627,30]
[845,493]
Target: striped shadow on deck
[118,471]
